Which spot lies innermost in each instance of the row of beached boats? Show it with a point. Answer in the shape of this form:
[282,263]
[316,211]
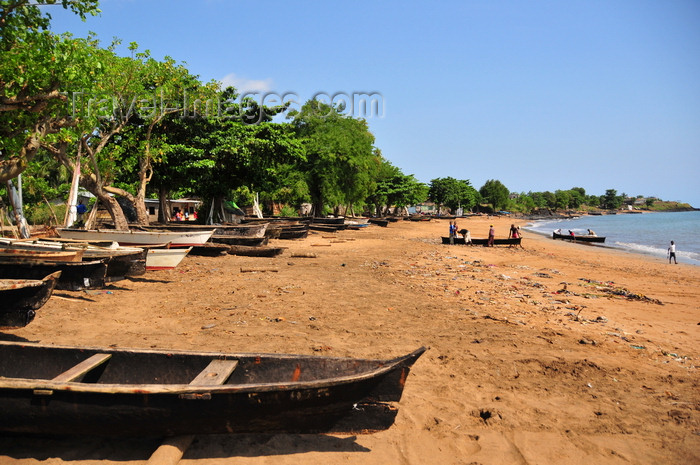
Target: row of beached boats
[82,259]
[108,391]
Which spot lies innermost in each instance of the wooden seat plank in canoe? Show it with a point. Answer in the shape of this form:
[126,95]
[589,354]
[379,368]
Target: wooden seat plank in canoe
[82,368]
[173,448]
[216,373]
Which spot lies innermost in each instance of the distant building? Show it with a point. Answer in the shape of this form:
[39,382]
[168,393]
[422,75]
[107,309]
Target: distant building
[188,206]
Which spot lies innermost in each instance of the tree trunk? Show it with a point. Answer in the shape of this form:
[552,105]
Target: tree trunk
[163,205]
[141,212]
[115,211]
[110,202]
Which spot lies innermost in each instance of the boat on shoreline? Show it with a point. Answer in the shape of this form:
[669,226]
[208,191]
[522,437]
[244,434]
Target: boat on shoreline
[483,241]
[138,238]
[239,230]
[21,298]
[121,261]
[165,259]
[255,251]
[75,276]
[46,389]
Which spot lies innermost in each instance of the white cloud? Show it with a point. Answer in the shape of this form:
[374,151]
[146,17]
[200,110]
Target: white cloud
[247,85]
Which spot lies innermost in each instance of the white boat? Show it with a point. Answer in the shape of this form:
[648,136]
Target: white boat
[165,259]
[136,238]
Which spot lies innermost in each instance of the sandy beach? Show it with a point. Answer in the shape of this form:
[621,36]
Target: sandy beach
[553,353]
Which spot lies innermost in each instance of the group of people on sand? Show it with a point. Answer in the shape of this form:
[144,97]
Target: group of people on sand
[454,231]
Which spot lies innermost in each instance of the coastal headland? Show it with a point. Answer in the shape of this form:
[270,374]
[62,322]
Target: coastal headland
[553,353]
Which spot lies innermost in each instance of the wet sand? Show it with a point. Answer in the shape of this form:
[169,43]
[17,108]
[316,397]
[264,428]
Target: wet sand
[554,353]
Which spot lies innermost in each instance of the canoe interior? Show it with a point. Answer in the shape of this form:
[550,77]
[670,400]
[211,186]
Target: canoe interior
[131,367]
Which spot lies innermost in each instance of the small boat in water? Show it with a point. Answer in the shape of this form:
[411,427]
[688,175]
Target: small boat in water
[21,298]
[578,238]
[48,389]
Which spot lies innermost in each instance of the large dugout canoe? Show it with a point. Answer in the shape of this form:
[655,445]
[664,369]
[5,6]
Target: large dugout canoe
[128,392]
[483,241]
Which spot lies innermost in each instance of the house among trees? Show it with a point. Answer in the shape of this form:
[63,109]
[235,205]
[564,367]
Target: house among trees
[186,207]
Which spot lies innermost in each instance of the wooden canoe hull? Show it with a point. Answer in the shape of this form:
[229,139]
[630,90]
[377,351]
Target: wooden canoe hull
[121,261]
[75,276]
[233,240]
[581,238]
[146,393]
[165,259]
[238,230]
[21,298]
[137,238]
[259,251]
[10,253]
[482,241]
[296,233]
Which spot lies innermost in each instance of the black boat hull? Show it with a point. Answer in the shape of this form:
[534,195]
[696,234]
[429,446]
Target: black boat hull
[75,276]
[265,393]
[582,238]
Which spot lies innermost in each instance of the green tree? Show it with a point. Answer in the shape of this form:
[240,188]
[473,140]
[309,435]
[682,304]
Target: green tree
[495,193]
[37,70]
[395,189]
[563,198]
[611,200]
[452,193]
[340,158]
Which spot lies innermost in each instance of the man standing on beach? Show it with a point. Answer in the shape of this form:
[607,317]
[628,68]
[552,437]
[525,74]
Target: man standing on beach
[672,253]
[492,236]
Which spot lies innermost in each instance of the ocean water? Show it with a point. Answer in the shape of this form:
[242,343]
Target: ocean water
[646,233]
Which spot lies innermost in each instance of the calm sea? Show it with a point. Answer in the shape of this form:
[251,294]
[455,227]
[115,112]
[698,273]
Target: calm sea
[646,233]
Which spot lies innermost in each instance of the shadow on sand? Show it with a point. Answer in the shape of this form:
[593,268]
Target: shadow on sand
[204,446]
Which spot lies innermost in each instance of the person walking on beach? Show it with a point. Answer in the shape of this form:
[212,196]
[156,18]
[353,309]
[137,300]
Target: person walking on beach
[492,236]
[672,253]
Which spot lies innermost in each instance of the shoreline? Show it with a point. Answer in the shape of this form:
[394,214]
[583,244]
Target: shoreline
[551,353]
[655,254]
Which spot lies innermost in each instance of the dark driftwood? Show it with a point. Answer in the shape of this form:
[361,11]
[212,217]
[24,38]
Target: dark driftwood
[303,255]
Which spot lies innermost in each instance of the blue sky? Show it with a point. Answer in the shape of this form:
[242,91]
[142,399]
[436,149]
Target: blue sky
[541,94]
